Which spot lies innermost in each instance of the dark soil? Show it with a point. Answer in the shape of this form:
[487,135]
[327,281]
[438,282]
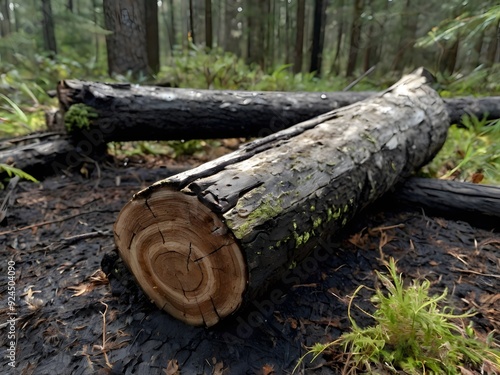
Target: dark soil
[73,319]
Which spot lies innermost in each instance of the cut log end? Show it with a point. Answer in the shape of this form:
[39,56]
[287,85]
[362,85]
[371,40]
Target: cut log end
[182,256]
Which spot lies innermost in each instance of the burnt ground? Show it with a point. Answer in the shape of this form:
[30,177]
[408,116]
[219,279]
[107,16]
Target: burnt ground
[72,319]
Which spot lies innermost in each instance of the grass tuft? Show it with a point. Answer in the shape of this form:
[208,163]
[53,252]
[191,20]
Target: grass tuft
[412,334]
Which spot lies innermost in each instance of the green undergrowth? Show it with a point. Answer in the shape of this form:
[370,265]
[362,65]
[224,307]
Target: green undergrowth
[11,172]
[412,334]
[471,153]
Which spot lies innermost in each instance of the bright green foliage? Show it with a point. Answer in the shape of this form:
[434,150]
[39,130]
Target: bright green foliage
[216,69]
[479,82]
[15,121]
[12,171]
[472,149]
[467,25]
[79,117]
[412,333]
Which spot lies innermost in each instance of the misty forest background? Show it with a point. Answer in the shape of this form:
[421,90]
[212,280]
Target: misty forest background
[289,45]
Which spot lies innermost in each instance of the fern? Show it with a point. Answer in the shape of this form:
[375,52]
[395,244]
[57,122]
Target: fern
[12,171]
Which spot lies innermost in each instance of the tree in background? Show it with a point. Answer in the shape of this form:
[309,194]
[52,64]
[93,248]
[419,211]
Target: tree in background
[299,41]
[152,36]
[451,36]
[49,37]
[129,49]
[208,24]
[5,23]
[355,38]
[318,36]
[256,21]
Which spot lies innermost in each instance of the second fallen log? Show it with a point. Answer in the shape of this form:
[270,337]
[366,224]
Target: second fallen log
[206,241]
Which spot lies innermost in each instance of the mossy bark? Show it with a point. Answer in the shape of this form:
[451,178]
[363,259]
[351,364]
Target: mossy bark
[276,197]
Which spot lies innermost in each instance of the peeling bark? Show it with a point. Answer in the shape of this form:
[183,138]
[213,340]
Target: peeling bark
[257,211]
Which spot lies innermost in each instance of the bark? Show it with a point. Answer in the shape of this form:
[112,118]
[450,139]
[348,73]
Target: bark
[131,113]
[42,155]
[127,48]
[204,242]
[460,200]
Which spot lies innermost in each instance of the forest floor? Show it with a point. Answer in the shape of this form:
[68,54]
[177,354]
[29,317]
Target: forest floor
[73,319]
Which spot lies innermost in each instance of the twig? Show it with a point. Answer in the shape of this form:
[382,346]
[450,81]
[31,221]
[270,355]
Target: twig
[381,229]
[356,81]
[69,240]
[36,225]
[477,273]
[103,347]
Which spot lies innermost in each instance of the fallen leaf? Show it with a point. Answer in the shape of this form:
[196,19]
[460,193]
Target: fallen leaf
[267,369]
[218,368]
[172,367]
[477,177]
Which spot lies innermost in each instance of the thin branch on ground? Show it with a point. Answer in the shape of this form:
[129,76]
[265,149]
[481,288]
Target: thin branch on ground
[43,223]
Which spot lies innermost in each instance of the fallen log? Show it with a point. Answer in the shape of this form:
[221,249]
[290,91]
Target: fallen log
[43,154]
[206,241]
[474,203]
[126,112]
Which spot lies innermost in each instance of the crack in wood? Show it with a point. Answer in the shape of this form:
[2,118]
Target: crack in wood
[189,256]
[149,208]
[161,234]
[215,308]
[210,253]
[131,240]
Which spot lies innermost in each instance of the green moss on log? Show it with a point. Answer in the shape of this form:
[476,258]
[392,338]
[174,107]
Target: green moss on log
[79,117]
[268,209]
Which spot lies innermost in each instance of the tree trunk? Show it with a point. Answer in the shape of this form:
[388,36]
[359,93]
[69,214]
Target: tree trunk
[127,46]
[208,24]
[409,26]
[152,36]
[5,25]
[318,36]
[257,18]
[299,40]
[355,38]
[45,154]
[191,22]
[448,59]
[206,241]
[172,25]
[126,112]
[340,33]
[131,113]
[49,38]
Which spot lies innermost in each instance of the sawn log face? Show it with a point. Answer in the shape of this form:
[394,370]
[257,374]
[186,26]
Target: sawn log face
[276,197]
